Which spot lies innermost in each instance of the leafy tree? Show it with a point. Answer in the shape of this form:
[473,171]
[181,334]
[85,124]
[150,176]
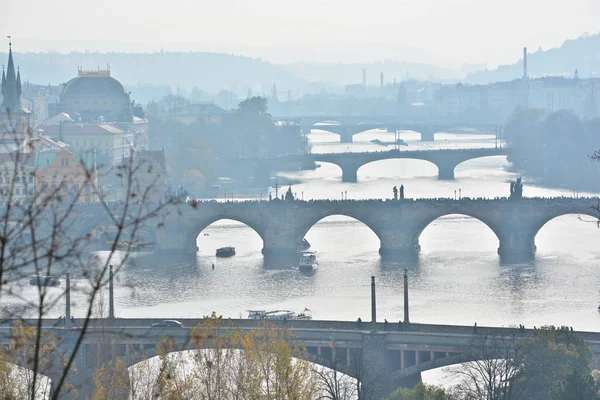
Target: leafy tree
[422,391]
[577,387]
[112,381]
[548,359]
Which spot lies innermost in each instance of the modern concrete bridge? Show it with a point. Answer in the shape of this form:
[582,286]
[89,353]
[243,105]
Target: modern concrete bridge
[348,126]
[384,356]
[445,160]
[282,225]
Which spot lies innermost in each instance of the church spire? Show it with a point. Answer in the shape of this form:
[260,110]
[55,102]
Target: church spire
[18,81]
[11,87]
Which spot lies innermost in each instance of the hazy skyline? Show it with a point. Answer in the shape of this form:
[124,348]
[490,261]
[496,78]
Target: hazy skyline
[445,32]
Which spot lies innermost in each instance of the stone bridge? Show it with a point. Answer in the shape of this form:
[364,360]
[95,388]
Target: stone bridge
[383,356]
[348,126]
[445,160]
[282,225]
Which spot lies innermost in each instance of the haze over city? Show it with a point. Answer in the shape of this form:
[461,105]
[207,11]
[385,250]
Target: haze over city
[444,32]
[308,200]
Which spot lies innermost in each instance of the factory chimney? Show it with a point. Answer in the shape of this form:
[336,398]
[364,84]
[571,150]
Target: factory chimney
[524,62]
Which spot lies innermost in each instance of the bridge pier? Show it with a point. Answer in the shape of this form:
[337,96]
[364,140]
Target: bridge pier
[377,378]
[446,173]
[349,174]
[175,240]
[346,136]
[281,241]
[517,245]
[397,242]
[427,134]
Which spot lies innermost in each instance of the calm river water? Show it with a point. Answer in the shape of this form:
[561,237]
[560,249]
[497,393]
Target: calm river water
[458,277]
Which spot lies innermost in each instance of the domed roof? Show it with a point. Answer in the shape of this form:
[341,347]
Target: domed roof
[94,83]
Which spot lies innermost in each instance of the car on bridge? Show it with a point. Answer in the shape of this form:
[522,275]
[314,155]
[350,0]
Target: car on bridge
[168,323]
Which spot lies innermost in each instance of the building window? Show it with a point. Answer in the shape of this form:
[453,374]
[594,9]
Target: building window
[16,179]
[76,187]
[77,143]
[0,179]
[53,187]
[65,187]
[87,188]
[31,179]
[64,162]
[31,191]
[43,188]
[17,191]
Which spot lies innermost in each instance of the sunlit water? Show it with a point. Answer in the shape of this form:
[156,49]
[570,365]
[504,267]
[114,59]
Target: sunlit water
[458,277]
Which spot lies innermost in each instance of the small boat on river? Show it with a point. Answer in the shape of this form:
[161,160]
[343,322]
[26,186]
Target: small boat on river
[279,315]
[308,260]
[44,280]
[226,251]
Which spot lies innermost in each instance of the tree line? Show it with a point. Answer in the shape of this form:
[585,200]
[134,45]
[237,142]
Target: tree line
[195,150]
[554,146]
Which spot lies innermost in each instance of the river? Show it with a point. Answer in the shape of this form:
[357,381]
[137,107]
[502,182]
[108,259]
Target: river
[458,277]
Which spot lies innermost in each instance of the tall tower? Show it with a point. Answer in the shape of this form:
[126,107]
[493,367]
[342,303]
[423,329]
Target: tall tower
[364,77]
[381,79]
[13,116]
[524,62]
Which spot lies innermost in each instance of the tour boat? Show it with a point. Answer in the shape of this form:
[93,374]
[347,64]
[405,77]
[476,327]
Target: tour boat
[226,251]
[44,280]
[308,260]
[279,315]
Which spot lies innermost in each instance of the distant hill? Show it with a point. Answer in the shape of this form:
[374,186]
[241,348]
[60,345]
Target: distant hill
[582,54]
[208,71]
[344,74]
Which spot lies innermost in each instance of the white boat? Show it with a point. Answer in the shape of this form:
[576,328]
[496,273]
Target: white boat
[308,260]
[279,315]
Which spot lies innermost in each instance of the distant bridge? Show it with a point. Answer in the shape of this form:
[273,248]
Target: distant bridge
[445,160]
[348,126]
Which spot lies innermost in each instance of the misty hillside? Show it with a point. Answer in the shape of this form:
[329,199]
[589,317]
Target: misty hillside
[344,74]
[208,71]
[582,53]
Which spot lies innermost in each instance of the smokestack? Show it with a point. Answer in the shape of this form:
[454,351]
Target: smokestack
[364,77]
[524,62]
[381,80]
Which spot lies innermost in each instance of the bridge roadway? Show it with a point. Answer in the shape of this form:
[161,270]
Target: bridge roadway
[282,225]
[390,357]
[348,126]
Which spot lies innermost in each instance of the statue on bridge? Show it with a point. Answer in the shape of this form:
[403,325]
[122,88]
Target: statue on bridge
[395,193]
[516,189]
[289,196]
[401,192]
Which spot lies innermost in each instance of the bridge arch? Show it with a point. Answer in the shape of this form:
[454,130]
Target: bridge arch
[477,158]
[421,226]
[310,223]
[537,227]
[197,228]
[428,163]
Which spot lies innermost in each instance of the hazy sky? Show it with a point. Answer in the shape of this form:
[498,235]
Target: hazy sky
[449,32]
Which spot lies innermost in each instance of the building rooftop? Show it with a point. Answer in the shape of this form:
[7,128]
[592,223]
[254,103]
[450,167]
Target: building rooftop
[81,129]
